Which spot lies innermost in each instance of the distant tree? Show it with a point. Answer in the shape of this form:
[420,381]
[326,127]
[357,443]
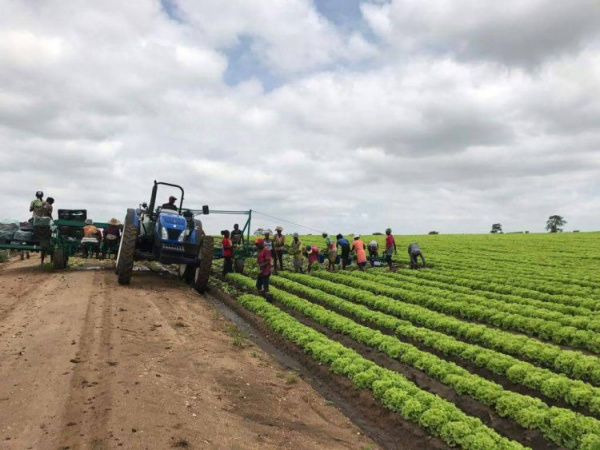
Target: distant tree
[434,232]
[554,224]
[575,231]
[378,233]
[496,228]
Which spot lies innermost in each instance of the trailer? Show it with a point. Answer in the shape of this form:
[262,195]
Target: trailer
[59,239]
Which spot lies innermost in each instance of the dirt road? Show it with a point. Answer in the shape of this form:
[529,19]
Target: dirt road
[86,363]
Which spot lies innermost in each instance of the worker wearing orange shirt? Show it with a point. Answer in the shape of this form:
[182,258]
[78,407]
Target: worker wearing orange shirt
[359,248]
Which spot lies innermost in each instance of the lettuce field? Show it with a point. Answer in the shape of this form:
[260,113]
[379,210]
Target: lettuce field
[496,344]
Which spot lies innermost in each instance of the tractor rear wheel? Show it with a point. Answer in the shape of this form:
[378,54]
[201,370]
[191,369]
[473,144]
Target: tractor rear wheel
[127,250]
[205,255]
[59,260]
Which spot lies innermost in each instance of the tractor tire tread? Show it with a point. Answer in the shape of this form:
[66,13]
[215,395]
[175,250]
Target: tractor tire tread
[202,274]
[125,269]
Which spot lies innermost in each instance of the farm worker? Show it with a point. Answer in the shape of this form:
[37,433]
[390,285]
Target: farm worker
[330,251]
[278,245]
[47,207]
[343,243]
[390,247]
[227,253]
[264,266]
[312,253]
[112,234]
[171,205]
[36,205]
[91,238]
[237,235]
[90,230]
[359,249]
[413,252]
[268,242]
[296,251]
[373,249]
[113,230]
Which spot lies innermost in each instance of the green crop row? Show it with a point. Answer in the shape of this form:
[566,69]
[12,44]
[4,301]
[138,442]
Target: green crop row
[436,415]
[481,312]
[467,286]
[530,274]
[562,426]
[522,307]
[560,387]
[573,363]
[541,289]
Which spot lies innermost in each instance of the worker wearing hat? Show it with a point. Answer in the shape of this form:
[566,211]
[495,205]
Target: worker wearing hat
[278,247]
[171,205]
[263,258]
[112,234]
[312,253]
[296,252]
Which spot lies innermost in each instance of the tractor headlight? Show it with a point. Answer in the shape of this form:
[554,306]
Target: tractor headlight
[163,233]
[185,233]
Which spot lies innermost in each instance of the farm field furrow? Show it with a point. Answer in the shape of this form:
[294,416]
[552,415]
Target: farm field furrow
[572,363]
[525,308]
[524,285]
[484,313]
[524,272]
[515,351]
[544,381]
[459,285]
[440,417]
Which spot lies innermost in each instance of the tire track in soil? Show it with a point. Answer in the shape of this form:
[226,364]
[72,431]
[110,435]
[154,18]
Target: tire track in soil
[87,409]
[24,295]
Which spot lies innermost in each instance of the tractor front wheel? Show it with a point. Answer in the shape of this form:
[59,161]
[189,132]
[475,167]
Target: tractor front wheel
[127,250]
[187,272]
[205,255]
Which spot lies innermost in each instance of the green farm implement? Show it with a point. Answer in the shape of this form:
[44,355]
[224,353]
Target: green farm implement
[59,239]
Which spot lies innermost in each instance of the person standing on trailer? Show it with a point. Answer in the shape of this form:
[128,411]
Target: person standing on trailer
[390,248]
[264,266]
[361,255]
[227,253]
[35,207]
[344,245]
[278,246]
[237,235]
[330,251]
[414,251]
[296,251]
[312,253]
[47,207]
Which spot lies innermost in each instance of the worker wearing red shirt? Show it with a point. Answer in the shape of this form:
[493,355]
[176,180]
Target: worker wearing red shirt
[390,247]
[264,265]
[227,253]
[312,253]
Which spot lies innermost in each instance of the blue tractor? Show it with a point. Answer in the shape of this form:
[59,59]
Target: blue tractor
[169,235]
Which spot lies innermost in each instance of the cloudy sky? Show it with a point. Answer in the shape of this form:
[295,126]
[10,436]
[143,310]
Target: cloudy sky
[340,115]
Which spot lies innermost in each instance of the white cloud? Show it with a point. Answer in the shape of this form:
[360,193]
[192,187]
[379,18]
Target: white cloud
[98,100]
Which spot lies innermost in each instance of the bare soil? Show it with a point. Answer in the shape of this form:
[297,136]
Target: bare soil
[88,364]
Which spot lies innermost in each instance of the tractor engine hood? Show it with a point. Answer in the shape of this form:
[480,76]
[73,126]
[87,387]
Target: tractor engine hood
[173,222]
